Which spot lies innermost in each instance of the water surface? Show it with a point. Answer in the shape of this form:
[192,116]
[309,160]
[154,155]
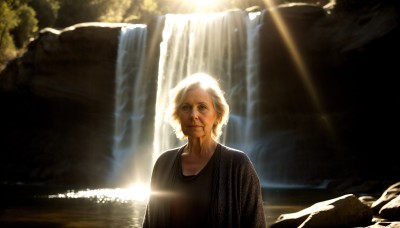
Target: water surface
[40,206]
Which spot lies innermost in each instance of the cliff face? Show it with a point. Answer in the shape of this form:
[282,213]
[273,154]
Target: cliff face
[59,101]
[333,117]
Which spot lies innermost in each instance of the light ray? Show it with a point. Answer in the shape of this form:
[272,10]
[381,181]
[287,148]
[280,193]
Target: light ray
[201,5]
[297,59]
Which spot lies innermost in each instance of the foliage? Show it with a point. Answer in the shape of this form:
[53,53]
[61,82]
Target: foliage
[46,12]
[187,6]
[130,11]
[20,19]
[8,21]
[17,26]
[78,11]
[27,26]
[114,10]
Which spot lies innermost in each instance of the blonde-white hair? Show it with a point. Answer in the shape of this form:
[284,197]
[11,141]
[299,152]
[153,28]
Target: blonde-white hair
[211,86]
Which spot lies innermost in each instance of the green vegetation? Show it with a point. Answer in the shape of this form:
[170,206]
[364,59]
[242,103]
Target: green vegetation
[18,24]
[20,20]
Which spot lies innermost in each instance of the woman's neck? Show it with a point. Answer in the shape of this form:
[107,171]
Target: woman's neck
[200,147]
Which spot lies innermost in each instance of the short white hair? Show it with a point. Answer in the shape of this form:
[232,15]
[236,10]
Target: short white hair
[208,84]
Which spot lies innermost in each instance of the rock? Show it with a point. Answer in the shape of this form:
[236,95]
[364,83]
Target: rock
[391,210]
[389,194]
[385,225]
[59,53]
[367,200]
[344,211]
[59,107]
[58,99]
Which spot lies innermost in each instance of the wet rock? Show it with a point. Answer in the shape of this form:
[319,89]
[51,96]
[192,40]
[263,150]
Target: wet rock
[385,225]
[391,210]
[367,200]
[389,194]
[344,211]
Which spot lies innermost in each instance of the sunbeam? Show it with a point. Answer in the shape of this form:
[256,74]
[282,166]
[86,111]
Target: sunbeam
[194,6]
[297,59]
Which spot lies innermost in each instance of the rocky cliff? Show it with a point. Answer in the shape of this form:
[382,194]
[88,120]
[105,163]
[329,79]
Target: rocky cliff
[331,114]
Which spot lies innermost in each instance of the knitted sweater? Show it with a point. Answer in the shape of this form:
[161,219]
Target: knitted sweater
[236,198]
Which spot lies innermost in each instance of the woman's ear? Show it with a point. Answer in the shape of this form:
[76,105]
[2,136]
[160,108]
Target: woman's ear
[217,119]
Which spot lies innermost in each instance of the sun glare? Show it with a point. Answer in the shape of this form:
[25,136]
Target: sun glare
[139,191]
[136,192]
[202,5]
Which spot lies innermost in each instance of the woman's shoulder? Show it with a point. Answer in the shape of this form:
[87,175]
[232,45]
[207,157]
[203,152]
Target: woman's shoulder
[232,153]
[235,159]
[168,155]
[170,152]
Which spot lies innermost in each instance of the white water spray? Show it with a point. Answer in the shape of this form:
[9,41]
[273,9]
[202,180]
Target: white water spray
[130,99]
[222,45]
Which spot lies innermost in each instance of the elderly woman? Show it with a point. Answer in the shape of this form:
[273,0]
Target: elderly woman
[203,183]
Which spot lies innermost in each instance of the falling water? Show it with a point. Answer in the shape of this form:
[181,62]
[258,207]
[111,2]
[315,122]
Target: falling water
[130,103]
[223,45]
[252,132]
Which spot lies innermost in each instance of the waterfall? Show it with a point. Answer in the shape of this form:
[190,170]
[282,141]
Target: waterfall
[130,103]
[253,134]
[223,45]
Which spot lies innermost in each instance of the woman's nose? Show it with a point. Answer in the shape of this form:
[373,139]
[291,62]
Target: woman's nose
[194,114]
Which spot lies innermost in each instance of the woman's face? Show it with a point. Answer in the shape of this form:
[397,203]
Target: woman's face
[197,114]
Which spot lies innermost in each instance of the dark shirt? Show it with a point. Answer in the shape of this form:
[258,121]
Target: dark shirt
[191,198]
[236,199]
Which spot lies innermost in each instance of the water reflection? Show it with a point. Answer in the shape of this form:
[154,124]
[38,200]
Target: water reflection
[106,195]
[88,208]
[41,206]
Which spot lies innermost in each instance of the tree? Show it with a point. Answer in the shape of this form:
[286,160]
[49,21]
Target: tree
[17,26]
[138,11]
[46,12]
[27,26]
[8,20]
[114,10]
[77,11]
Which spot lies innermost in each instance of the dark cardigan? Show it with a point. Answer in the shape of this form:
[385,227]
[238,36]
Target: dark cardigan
[237,199]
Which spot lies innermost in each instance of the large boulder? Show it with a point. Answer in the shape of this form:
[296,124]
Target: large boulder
[391,210]
[343,211]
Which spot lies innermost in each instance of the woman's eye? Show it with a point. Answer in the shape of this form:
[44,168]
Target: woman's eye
[185,108]
[202,108]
